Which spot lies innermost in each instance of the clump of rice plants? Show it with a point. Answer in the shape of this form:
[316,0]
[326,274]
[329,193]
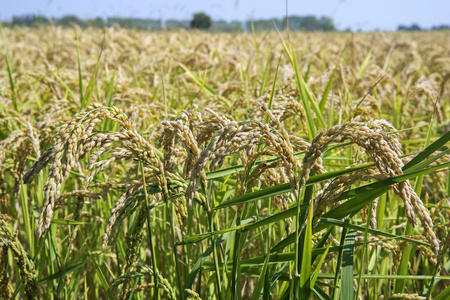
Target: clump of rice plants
[194,165]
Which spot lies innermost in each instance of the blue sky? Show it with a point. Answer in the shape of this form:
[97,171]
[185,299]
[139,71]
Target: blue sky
[354,14]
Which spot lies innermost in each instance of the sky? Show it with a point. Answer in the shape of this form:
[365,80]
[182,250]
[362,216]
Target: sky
[353,14]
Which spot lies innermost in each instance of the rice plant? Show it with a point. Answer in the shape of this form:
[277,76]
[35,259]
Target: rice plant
[194,165]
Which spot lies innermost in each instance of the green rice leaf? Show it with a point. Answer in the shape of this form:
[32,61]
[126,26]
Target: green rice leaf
[262,278]
[347,266]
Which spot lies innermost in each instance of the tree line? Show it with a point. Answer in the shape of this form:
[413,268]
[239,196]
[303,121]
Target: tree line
[416,27]
[199,20]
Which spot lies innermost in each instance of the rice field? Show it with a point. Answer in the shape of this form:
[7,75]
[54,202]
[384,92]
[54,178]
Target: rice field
[196,165]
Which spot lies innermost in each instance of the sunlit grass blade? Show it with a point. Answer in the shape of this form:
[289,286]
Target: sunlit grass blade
[199,263]
[320,294]
[347,266]
[306,247]
[202,236]
[364,65]
[327,91]
[272,92]
[196,95]
[428,151]
[379,187]
[329,85]
[65,272]
[90,88]
[406,251]
[265,78]
[10,72]
[285,188]
[444,295]
[261,280]
[375,232]
[305,95]
[318,267]
[197,80]
[80,74]
[68,222]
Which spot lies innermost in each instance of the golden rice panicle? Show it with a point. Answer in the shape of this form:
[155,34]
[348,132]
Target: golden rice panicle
[81,195]
[191,295]
[66,152]
[180,143]
[25,265]
[5,291]
[385,151]
[134,238]
[218,142]
[141,271]
[116,214]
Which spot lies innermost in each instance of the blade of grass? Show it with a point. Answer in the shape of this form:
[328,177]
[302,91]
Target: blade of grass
[409,230]
[67,222]
[27,218]
[330,83]
[364,248]
[347,266]
[262,278]
[444,295]
[272,92]
[196,95]
[199,263]
[427,151]
[10,72]
[66,271]
[318,267]
[326,93]
[98,271]
[150,236]
[364,65]
[305,245]
[320,294]
[199,82]
[265,77]
[80,74]
[90,88]
[285,188]
[305,94]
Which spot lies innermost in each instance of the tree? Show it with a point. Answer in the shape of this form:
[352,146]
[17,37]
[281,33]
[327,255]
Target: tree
[326,24]
[68,20]
[96,23]
[413,27]
[29,21]
[441,27]
[201,21]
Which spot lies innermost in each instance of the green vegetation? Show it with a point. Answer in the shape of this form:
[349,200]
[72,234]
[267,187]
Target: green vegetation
[201,21]
[296,23]
[199,165]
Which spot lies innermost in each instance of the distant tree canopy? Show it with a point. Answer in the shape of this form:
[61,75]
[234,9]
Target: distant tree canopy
[174,24]
[412,27]
[201,21]
[441,27]
[221,25]
[67,21]
[135,23]
[29,21]
[303,23]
